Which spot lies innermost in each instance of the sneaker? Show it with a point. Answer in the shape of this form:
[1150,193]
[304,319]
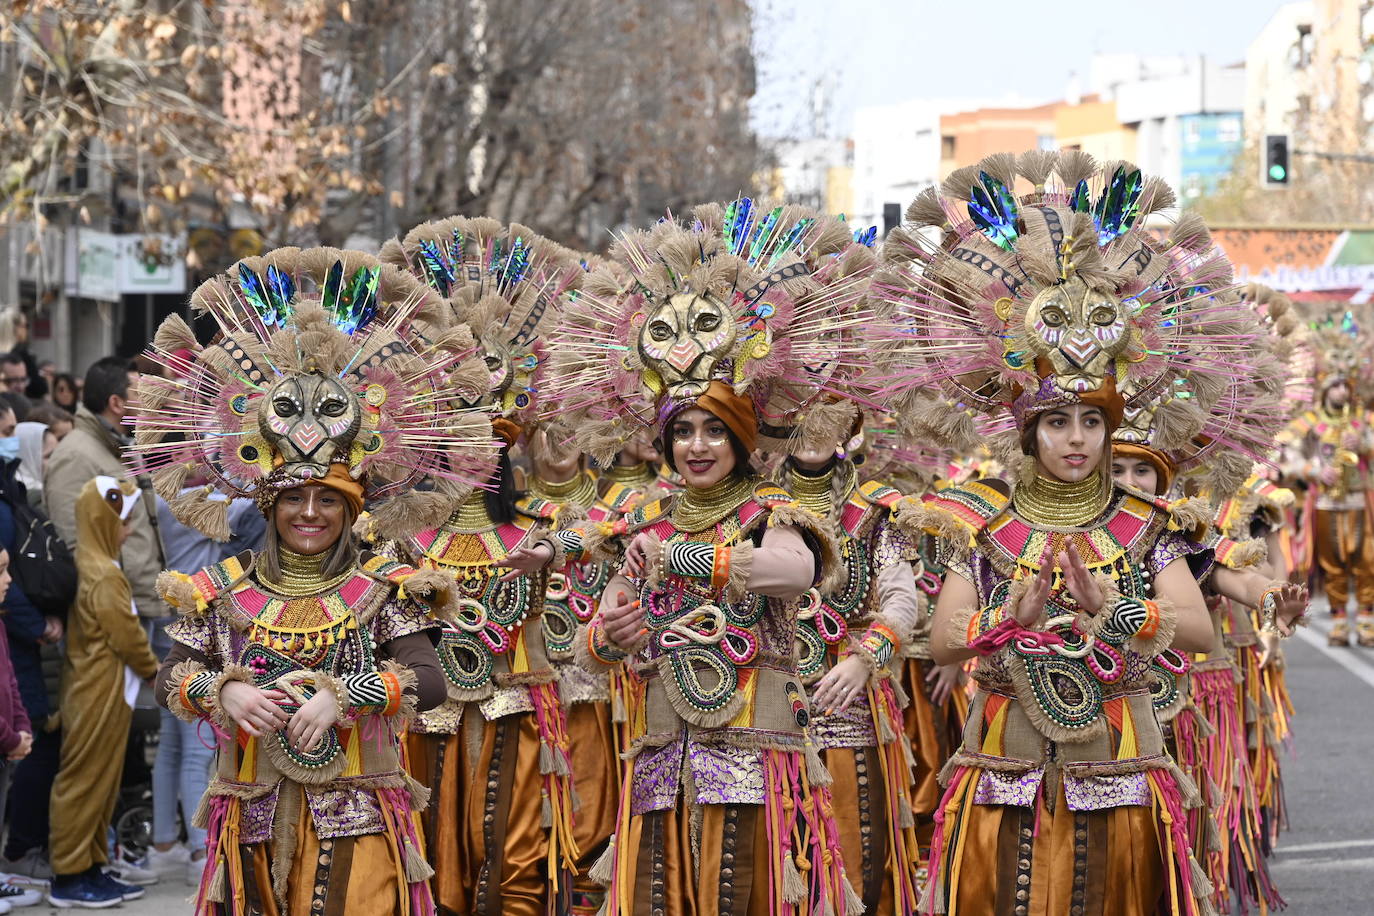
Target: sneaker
[30,869]
[195,870]
[16,897]
[171,862]
[82,891]
[126,891]
[131,872]
[1340,633]
[1364,630]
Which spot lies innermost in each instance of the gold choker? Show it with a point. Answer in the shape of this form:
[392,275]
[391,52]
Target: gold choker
[815,493]
[579,492]
[1056,504]
[637,476]
[696,509]
[471,516]
[303,575]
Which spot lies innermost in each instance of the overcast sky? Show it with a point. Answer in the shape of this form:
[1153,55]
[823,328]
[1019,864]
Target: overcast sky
[884,51]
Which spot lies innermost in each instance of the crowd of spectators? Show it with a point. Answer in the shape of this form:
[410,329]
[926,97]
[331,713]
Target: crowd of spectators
[59,431]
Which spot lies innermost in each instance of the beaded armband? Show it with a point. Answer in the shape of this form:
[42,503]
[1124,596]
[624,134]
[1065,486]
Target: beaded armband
[373,692]
[198,692]
[985,621]
[599,647]
[567,544]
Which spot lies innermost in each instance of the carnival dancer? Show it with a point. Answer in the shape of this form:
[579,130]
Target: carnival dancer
[497,752]
[1332,445]
[1039,316]
[934,718]
[732,325]
[325,385]
[859,701]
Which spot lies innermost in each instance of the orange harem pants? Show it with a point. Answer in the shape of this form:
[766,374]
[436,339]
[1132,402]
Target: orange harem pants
[335,877]
[1344,549]
[935,733]
[657,860]
[1092,863]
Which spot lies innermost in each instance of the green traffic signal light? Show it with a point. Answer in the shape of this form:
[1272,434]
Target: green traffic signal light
[1277,172]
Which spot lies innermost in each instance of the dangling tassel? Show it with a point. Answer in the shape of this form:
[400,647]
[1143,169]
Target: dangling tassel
[816,772]
[218,883]
[545,811]
[853,903]
[417,869]
[603,869]
[885,733]
[793,890]
[905,817]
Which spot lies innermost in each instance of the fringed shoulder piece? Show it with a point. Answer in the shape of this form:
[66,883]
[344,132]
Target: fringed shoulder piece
[880,493]
[954,514]
[195,593]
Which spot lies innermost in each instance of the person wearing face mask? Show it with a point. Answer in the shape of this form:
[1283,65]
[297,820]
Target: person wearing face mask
[1033,322]
[726,805]
[35,446]
[324,387]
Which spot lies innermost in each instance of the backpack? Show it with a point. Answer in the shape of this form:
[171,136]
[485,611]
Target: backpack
[42,564]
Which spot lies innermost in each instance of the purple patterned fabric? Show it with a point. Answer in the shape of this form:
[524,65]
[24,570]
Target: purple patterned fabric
[344,811]
[1093,793]
[255,825]
[851,728]
[997,788]
[726,775]
[657,774]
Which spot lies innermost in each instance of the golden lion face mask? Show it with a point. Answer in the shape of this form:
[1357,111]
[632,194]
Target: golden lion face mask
[1079,331]
[684,339]
[311,421]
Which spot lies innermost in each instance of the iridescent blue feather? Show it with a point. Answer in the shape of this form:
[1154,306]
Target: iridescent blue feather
[993,208]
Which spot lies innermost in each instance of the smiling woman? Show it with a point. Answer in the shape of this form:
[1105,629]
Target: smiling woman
[310,656]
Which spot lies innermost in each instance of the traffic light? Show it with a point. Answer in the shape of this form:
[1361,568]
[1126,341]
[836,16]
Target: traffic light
[1276,171]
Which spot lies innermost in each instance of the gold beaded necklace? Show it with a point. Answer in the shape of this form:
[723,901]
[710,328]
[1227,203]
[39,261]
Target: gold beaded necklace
[471,517]
[815,493]
[637,476]
[1058,504]
[579,492]
[698,508]
[303,576]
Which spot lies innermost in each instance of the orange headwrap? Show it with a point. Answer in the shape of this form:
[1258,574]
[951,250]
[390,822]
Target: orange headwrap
[508,431]
[1133,451]
[339,480]
[734,410]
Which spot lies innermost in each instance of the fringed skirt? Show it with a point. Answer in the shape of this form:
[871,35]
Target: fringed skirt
[323,877]
[1006,860]
[775,859]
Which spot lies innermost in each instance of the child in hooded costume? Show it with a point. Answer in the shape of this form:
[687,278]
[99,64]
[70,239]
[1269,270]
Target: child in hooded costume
[104,643]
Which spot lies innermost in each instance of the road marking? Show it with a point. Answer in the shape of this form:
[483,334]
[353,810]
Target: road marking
[1310,865]
[1341,656]
[1323,847]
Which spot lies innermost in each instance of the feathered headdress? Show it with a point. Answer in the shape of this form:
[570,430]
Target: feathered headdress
[1004,305]
[324,363]
[767,302]
[506,283]
[1339,348]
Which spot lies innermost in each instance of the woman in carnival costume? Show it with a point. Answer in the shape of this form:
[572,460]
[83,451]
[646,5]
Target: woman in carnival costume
[1039,316]
[324,386]
[851,639]
[934,718]
[1206,722]
[1330,449]
[731,326]
[497,752]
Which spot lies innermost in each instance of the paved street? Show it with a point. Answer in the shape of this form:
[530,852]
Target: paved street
[1325,862]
